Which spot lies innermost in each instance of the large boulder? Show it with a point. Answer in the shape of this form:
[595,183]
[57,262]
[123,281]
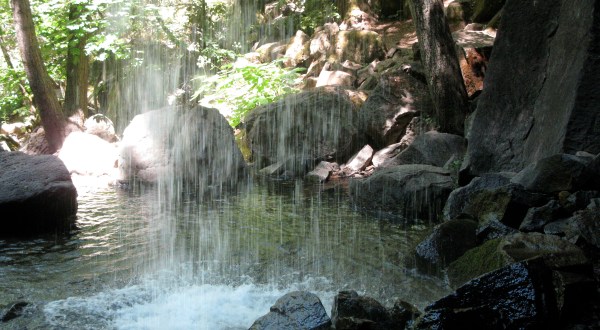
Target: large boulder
[492,197]
[532,294]
[500,252]
[553,174]
[304,129]
[36,195]
[540,97]
[101,126]
[294,311]
[431,148]
[406,191]
[195,146]
[391,106]
[447,242]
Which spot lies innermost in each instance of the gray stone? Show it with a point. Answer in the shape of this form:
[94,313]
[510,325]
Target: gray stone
[406,191]
[297,50]
[197,144]
[101,126]
[298,310]
[359,46]
[36,195]
[448,241]
[322,171]
[308,127]
[535,104]
[359,161]
[335,78]
[431,148]
[391,106]
[383,155]
[538,217]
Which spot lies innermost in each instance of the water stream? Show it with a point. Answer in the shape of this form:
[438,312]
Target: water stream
[206,265]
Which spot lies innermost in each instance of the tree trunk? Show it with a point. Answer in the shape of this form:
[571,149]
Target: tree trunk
[41,85]
[439,57]
[77,71]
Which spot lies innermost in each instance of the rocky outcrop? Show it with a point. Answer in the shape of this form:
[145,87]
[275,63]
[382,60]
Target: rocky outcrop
[359,46]
[535,103]
[197,145]
[36,195]
[295,310]
[406,191]
[553,174]
[309,127]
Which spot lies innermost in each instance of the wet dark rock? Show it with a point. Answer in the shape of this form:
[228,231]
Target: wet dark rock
[447,242]
[549,107]
[591,174]
[492,197]
[523,295]
[537,217]
[391,106]
[431,148]
[197,144]
[313,126]
[403,314]
[492,229]
[352,312]
[36,195]
[583,228]
[406,191]
[295,310]
[497,253]
[578,200]
[14,311]
[552,174]
[485,10]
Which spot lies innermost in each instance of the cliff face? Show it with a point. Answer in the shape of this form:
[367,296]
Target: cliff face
[541,95]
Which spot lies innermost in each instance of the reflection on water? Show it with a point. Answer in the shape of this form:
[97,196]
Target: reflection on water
[220,264]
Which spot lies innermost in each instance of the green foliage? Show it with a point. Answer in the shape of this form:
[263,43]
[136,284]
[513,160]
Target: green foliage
[11,98]
[242,88]
[316,13]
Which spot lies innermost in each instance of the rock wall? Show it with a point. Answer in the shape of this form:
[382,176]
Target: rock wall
[541,95]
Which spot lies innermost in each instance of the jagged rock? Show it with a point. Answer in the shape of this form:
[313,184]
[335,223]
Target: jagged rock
[352,312]
[321,43]
[88,154]
[447,242]
[583,228]
[101,126]
[294,127]
[403,314]
[197,144]
[359,161]
[492,229]
[391,106]
[537,217]
[271,51]
[552,174]
[492,197]
[431,148]
[549,105]
[295,310]
[531,294]
[407,191]
[383,155]
[335,78]
[500,252]
[36,195]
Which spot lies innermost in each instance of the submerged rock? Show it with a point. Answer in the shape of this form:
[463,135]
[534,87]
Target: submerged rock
[36,195]
[294,311]
[14,311]
[408,191]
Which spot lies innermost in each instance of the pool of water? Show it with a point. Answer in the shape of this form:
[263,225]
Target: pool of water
[137,263]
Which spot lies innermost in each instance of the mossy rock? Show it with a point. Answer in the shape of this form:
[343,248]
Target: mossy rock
[497,253]
[359,46]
